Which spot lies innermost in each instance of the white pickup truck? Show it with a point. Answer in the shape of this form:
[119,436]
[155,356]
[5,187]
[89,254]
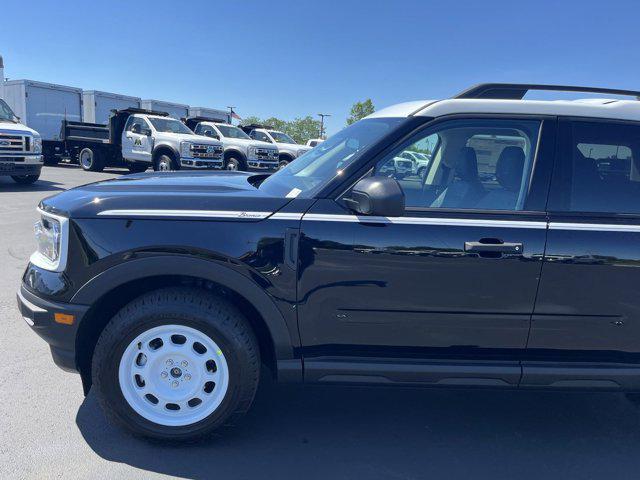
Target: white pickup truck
[288,149]
[136,139]
[241,152]
[20,148]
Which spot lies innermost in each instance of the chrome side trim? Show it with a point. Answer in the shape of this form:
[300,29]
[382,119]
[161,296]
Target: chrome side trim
[595,227]
[286,216]
[458,222]
[185,213]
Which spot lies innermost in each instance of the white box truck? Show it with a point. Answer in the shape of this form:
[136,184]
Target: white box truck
[211,113]
[175,110]
[43,106]
[97,106]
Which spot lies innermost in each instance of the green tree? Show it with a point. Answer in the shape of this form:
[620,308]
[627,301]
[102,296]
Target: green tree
[359,110]
[303,129]
[251,120]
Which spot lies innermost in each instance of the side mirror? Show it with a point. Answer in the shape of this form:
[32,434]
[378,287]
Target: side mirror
[379,196]
[136,129]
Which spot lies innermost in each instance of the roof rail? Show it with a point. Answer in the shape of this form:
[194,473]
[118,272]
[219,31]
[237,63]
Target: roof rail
[132,110]
[517,91]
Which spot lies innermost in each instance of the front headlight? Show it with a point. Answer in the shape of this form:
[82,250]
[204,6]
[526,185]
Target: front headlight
[185,149]
[302,152]
[51,233]
[37,144]
[251,152]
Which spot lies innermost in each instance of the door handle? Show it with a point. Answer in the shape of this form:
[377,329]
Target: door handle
[494,246]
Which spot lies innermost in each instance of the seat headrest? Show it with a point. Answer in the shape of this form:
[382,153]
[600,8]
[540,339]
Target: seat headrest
[467,166]
[509,168]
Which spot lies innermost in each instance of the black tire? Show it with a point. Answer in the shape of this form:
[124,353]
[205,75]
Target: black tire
[165,162]
[25,179]
[198,309]
[284,161]
[138,167]
[235,163]
[90,160]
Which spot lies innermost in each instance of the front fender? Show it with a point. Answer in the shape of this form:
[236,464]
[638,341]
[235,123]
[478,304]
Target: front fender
[140,268]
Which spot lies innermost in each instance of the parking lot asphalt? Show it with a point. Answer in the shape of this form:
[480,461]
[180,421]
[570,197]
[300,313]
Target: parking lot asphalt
[49,430]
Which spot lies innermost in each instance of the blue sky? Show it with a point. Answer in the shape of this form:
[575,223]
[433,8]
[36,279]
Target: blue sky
[294,58]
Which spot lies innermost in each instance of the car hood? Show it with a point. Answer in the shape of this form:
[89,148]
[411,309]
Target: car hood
[16,127]
[219,195]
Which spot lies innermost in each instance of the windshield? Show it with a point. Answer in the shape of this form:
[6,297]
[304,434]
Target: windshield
[169,125]
[232,132]
[280,137]
[313,170]
[5,112]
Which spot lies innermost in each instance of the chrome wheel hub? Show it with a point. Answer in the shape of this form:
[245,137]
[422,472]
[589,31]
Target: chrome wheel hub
[173,375]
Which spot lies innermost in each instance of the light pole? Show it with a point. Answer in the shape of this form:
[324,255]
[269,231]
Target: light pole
[322,115]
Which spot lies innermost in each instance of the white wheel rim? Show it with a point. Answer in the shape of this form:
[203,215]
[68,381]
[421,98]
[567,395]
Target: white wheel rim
[232,166]
[85,159]
[178,374]
[164,166]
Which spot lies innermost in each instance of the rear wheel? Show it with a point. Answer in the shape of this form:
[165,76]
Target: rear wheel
[90,160]
[283,162]
[176,364]
[165,163]
[25,179]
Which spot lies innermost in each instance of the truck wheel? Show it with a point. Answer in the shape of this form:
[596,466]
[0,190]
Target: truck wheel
[25,179]
[90,160]
[234,163]
[176,364]
[283,161]
[137,167]
[165,163]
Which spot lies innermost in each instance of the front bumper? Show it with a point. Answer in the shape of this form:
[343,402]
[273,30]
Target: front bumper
[201,163]
[262,165]
[52,321]
[20,164]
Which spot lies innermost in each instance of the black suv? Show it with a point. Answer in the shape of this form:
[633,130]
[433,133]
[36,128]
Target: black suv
[508,259]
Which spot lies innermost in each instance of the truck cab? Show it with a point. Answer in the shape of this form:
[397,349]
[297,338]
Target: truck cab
[167,144]
[20,148]
[241,152]
[288,149]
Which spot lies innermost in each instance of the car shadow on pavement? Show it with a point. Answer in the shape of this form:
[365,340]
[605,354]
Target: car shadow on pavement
[369,433]
[8,185]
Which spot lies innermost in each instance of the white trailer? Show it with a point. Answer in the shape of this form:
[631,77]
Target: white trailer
[42,106]
[175,110]
[210,113]
[97,106]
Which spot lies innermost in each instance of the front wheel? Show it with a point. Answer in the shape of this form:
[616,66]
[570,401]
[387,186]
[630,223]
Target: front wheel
[176,364]
[234,164]
[165,163]
[25,179]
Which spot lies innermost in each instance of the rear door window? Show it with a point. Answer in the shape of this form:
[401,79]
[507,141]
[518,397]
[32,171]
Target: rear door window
[599,169]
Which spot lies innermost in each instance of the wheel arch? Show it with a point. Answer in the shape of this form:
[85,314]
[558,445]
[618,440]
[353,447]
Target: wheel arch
[164,148]
[109,291]
[234,152]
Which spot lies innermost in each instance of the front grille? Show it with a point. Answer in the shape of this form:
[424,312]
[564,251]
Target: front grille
[206,151]
[12,143]
[267,154]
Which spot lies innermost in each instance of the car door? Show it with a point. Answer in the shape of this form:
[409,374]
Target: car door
[137,143]
[587,313]
[453,280]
